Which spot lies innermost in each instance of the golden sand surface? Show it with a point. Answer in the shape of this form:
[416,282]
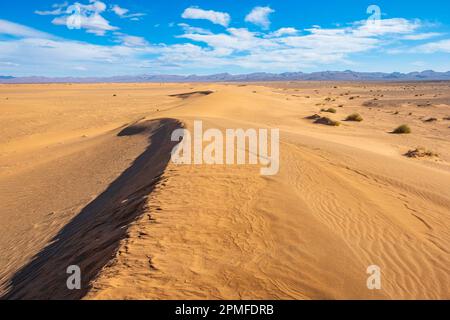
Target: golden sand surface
[86,179]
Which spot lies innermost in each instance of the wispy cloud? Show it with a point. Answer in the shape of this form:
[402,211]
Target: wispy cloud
[216,17]
[8,64]
[190,29]
[57,9]
[422,36]
[432,47]
[125,13]
[130,41]
[19,30]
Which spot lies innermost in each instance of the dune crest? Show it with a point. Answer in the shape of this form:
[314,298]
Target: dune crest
[93,236]
[338,206]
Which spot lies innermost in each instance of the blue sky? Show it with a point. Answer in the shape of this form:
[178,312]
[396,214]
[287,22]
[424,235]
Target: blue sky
[125,37]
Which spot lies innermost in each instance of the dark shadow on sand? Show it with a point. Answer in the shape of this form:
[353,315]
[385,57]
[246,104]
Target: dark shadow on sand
[191,94]
[92,238]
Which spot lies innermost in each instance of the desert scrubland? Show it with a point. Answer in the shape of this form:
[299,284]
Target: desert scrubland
[86,179]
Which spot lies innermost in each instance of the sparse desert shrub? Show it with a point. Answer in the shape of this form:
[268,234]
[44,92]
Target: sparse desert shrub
[314,117]
[370,104]
[340,106]
[420,153]
[446,118]
[327,121]
[403,129]
[354,117]
[430,120]
[330,110]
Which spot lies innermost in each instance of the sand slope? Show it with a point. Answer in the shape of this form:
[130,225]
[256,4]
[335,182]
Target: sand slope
[345,198]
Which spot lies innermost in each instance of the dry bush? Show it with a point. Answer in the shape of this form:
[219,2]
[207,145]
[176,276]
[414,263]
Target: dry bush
[314,117]
[327,121]
[330,110]
[420,152]
[403,129]
[354,117]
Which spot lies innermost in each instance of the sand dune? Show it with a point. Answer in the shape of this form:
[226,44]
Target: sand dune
[141,227]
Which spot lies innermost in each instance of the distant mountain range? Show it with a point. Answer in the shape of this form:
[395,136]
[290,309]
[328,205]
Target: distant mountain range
[348,75]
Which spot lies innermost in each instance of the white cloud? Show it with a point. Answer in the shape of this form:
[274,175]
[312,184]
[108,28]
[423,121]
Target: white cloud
[18,30]
[119,11]
[81,16]
[260,16]
[386,27]
[285,49]
[135,16]
[8,64]
[58,57]
[422,36]
[281,50]
[221,18]
[432,47]
[189,29]
[58,8]
[125,13]
[36,53]
[284,32]
[236,39]
[95,23]
[131,41]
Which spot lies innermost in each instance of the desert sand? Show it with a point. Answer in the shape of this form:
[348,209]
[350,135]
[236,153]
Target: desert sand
[86,179]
